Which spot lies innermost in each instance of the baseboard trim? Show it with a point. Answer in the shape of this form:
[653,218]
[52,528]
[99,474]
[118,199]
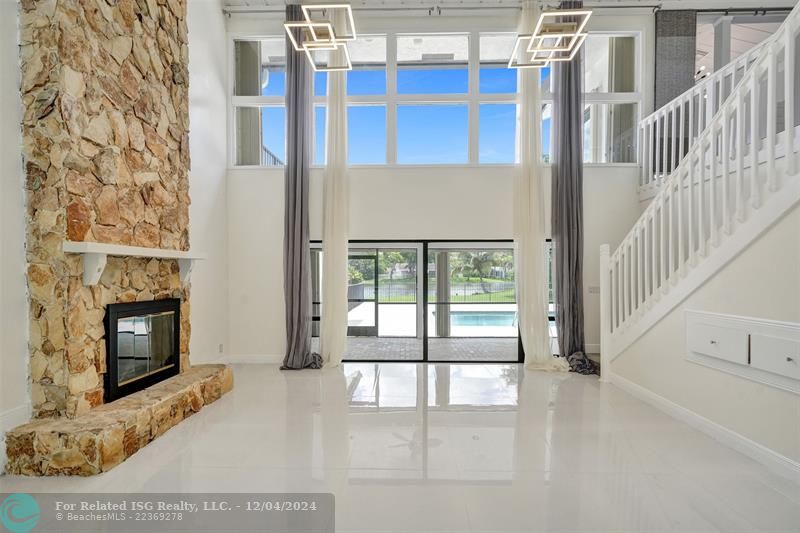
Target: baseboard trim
[254,359]
[771,459]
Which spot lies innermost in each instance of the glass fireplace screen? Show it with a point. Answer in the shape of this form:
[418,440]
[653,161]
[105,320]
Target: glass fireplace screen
[144,345]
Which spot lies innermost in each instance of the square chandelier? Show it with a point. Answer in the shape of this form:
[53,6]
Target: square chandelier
[521,58]
[326,28]
[558,36]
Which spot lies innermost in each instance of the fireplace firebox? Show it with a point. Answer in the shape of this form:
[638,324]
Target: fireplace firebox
[142,345]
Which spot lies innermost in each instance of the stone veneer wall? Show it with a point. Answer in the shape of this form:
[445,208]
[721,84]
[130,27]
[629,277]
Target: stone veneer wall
[105,145]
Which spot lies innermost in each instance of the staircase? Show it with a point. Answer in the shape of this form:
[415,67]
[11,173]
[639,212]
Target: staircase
[720,164]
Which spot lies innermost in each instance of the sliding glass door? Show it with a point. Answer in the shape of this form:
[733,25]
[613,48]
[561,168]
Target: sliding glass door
[384,301]
[427,300]
[472,303]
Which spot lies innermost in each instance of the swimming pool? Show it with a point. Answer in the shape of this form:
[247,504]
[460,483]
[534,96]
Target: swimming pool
[483,318]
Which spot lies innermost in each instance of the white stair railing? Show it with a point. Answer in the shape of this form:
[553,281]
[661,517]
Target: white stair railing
[667,134]
[726,178]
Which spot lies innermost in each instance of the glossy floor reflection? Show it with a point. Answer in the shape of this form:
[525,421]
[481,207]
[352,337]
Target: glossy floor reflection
[407,447]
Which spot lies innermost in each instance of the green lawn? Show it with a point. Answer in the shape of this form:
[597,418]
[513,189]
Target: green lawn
[399,299]
[477,280]
[507,296]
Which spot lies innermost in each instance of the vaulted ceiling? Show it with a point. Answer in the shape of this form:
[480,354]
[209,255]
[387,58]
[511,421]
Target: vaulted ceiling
[744,36]
[664,4]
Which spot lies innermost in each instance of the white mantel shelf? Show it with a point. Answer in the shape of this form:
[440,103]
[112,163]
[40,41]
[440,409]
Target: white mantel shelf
[95,255]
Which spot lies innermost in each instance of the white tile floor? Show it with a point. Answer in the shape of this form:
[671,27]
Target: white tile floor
[457,448]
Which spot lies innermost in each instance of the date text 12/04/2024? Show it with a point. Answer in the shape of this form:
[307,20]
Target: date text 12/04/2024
[187,507]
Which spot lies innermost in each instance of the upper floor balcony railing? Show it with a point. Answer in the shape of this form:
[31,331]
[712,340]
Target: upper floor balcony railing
[667,135]
[269,159]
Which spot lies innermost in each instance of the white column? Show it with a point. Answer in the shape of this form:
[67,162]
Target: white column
[722,42]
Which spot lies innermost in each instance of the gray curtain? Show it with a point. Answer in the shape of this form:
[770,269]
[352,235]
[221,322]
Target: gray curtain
[567,206]
[296,252]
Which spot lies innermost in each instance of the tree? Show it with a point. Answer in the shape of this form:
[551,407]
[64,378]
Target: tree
[482,263]
[461,264]
[506,261]
[354,275]
[387,260]
[410,258]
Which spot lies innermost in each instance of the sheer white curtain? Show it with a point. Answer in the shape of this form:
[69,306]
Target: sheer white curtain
[529,229]
[335,221]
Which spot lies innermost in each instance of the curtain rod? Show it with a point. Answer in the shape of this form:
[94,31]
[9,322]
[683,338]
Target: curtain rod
[745,10]
[432,10]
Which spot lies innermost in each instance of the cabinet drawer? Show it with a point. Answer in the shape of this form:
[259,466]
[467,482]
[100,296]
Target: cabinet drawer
[776,355]
[717,341]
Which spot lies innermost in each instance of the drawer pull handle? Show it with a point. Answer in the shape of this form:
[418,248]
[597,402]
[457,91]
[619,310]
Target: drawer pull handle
[713,342]
[789,359]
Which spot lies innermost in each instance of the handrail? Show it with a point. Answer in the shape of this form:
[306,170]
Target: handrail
[667,134]
[724,178]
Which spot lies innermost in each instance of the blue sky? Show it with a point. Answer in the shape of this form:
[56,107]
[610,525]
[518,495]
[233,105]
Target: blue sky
[426,134]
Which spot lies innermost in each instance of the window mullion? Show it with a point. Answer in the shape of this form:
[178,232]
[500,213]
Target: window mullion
[230,124]
[391,98]
[474,81]
[366,99]
[433,99]
[597,98]
[257,101]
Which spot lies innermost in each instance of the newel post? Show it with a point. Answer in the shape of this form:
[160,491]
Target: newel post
[605,313]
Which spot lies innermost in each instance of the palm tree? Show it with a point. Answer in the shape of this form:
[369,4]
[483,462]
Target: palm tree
[482,263]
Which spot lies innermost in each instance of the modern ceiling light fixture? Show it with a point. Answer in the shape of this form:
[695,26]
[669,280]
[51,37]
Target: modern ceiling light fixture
[316,34]
[326,28]
[520,58]
[320,58]
[560,55]
[558,36]
[343,26]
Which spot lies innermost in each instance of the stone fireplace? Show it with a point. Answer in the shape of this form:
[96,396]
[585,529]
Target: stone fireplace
[104,90]
[105,146]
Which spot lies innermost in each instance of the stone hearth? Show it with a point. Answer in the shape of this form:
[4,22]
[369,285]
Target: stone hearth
[101,439]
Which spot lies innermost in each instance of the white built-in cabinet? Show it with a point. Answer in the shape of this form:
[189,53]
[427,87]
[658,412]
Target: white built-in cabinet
[766,351]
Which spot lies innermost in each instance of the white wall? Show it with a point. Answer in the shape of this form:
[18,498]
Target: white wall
[610,208]
[207,178]
[762,282]
[14,398]
[397,203]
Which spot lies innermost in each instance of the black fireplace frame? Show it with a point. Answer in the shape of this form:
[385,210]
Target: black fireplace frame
[112,389]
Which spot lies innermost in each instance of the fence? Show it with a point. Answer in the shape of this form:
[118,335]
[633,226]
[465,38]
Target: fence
[460,292]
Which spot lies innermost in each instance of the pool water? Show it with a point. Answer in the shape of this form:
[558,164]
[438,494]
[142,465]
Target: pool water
[483,318]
